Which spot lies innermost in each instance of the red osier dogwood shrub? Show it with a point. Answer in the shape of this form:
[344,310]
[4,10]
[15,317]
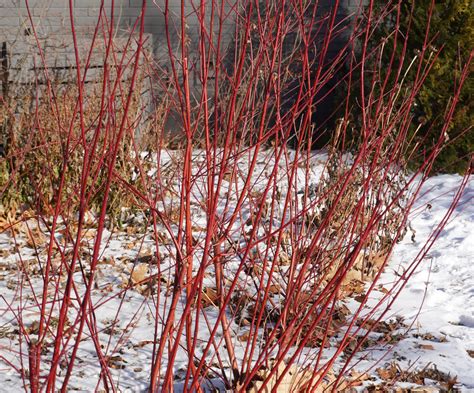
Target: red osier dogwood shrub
[238,247]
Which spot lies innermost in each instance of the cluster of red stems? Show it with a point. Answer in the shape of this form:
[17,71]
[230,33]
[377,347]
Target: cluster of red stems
[246,104]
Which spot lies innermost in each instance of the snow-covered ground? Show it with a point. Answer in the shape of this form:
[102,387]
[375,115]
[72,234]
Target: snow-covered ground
[435,310]
[437,302]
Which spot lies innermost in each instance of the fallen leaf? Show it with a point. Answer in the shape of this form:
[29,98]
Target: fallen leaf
[244,337]
[274,289]
[209,297]
[33,328]
[116,362]
[141,344]
[283,259]
[139,273]
[387,374]
[35,238]
[295,380]
[427,347]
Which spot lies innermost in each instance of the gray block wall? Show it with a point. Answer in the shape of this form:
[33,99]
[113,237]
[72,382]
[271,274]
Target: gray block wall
[52,16]
[51,19]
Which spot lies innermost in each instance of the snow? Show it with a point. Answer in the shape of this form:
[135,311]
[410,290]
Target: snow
[439,298]
[436,304]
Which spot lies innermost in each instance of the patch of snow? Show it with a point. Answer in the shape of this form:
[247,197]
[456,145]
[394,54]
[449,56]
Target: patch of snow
[437,301]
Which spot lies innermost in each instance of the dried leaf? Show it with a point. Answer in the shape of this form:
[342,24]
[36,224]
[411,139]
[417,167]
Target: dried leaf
[295,380]
[283,259]
[33,328]
[139,273]
[141,344]
[274,289]
[244,337]
[387,374]
[209,297]
[116,362]
[427,347]
[35,238]
[130,246]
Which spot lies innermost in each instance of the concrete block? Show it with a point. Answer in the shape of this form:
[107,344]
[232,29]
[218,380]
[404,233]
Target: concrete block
[97,3]
[11,21]
[44,4]
[48,12]
[9,4]
[8,12]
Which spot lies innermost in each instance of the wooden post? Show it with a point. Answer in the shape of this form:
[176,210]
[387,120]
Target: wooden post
[4,80]
[4,71]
